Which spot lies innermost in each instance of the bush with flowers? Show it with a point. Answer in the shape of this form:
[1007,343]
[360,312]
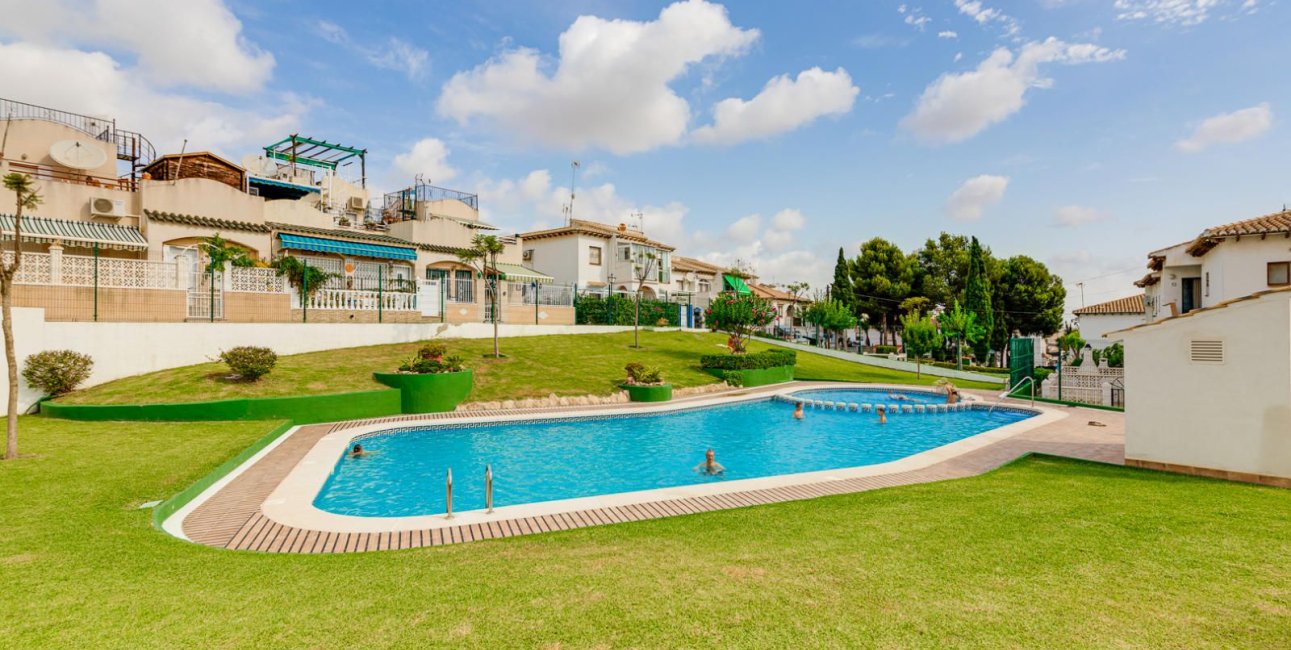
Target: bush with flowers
[739,315]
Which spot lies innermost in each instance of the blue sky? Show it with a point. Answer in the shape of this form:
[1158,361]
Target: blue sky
[1081,132]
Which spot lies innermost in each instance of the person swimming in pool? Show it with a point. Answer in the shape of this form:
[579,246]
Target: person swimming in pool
[710,465]
[898,397]
[357,451]
[883,414]
[797,412]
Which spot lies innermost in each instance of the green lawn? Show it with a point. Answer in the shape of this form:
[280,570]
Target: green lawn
[536,366]
[1043,553]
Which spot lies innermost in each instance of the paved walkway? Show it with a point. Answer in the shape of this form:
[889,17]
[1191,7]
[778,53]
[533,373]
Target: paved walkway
[233,519]
[892,364]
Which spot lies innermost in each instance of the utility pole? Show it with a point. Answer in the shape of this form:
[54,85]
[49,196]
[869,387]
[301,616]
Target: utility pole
[573,177]
[1082,293]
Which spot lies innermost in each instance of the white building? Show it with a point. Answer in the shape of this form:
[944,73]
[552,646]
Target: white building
[1096,322]
[1212,389]
[696,281]
[598,256]
[1222,263]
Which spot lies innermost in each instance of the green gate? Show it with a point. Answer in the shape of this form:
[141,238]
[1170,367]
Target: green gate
[1021,360]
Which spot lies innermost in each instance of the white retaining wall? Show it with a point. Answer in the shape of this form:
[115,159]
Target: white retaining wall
[125,349]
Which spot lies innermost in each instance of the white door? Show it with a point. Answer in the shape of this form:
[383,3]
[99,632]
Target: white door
[429,297]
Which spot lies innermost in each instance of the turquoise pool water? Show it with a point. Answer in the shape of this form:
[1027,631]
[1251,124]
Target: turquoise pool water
[546,460]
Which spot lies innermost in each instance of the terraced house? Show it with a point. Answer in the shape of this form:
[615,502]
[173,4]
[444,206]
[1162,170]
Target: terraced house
[122,233]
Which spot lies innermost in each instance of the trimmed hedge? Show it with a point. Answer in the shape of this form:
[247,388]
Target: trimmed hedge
[755,361]
[620,310]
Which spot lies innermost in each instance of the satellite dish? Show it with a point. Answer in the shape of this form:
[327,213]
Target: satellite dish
[77,155]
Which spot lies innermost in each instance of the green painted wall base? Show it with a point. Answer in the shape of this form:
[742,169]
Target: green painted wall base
[429,393]
[755,376]
[661,393]
[306,409]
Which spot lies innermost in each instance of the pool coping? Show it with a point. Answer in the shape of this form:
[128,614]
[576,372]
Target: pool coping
[290,504]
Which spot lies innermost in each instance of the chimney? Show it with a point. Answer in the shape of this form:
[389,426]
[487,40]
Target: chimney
[623,227]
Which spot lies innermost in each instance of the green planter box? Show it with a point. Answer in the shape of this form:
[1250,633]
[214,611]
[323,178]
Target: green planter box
[430,393]
[755,376]
[636,393]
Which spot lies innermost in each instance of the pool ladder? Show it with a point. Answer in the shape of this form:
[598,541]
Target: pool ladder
[1009,391]
[488,491]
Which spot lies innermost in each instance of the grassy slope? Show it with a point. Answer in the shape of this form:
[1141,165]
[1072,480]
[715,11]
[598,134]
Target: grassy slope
[1044,553]
[535,367]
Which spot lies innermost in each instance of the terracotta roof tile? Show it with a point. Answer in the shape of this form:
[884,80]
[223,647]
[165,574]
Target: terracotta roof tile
[1127,305]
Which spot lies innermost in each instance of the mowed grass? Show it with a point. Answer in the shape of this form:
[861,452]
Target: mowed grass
[1043,553]
[535,366]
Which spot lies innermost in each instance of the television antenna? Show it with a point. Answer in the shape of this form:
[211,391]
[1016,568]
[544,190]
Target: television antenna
[573,177]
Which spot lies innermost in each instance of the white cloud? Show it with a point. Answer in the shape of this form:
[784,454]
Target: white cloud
[947,34]
[788,219]
[394,54]
[984,15]
[975,195]
[1228,128]
[1073,216]
[1177,13]
[783,105]
[427,157]
[879,41]
[195,43]
[94,83]
[745,229]
[608,88]
[957,106]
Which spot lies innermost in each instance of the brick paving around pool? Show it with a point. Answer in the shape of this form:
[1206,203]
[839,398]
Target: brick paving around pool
[232,518]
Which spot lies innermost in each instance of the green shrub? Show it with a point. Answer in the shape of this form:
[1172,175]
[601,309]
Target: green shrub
[733,377]
[620,310]
[431,366]
[885,349]
[643,375]
[1041,374]
[755,361]
[434,350]
[57,371]
[249,362]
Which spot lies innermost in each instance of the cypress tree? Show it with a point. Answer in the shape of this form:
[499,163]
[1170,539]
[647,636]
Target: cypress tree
[977,298]
[841,288]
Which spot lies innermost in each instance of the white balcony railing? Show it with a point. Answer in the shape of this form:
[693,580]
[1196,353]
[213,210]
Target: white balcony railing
[349,300]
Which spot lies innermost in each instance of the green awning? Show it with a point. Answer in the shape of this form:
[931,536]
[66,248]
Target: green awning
[75,233]
[517,273]
[303,243]
[736,284]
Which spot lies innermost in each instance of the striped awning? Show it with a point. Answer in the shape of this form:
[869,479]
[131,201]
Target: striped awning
[517,273]
[260,180]
[75,233]
[318,244]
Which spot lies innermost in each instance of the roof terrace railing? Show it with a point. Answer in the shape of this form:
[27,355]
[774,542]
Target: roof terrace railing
[405,200]
[130,146]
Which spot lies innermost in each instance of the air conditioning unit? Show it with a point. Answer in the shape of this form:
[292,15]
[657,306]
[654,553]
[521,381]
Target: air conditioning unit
[528,255]
[357,204]
[253,191]
[104,207]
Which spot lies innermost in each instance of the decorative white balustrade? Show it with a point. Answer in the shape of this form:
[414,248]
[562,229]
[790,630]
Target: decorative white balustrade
[349,300]
[256,280]
[83,271]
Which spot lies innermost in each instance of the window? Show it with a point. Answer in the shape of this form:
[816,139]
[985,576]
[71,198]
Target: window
[594,255]
[625,253]
[705,286]
[1279,274]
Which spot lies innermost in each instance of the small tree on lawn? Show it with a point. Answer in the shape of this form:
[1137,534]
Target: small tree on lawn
[960,326]
[641,270]
[483,257]
[738,315]
[920,336]
[831,315]
[25,198]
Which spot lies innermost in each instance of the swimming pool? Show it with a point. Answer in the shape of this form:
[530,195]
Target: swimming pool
[544,460]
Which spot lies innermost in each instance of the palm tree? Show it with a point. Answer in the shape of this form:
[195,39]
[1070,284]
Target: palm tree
[483,257]
[25,198]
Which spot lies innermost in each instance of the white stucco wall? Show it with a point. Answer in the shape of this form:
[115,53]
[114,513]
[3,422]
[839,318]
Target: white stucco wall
[1094,328]
[125,349]
[1233,416]
[1240,267]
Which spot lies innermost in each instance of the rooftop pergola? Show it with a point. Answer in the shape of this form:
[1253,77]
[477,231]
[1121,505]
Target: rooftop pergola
[300,150]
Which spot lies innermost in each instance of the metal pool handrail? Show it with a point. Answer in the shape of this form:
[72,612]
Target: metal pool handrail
[1003,396]
[449,494]
[488,488]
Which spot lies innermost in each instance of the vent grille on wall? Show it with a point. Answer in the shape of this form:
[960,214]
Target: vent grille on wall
[1207,351]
